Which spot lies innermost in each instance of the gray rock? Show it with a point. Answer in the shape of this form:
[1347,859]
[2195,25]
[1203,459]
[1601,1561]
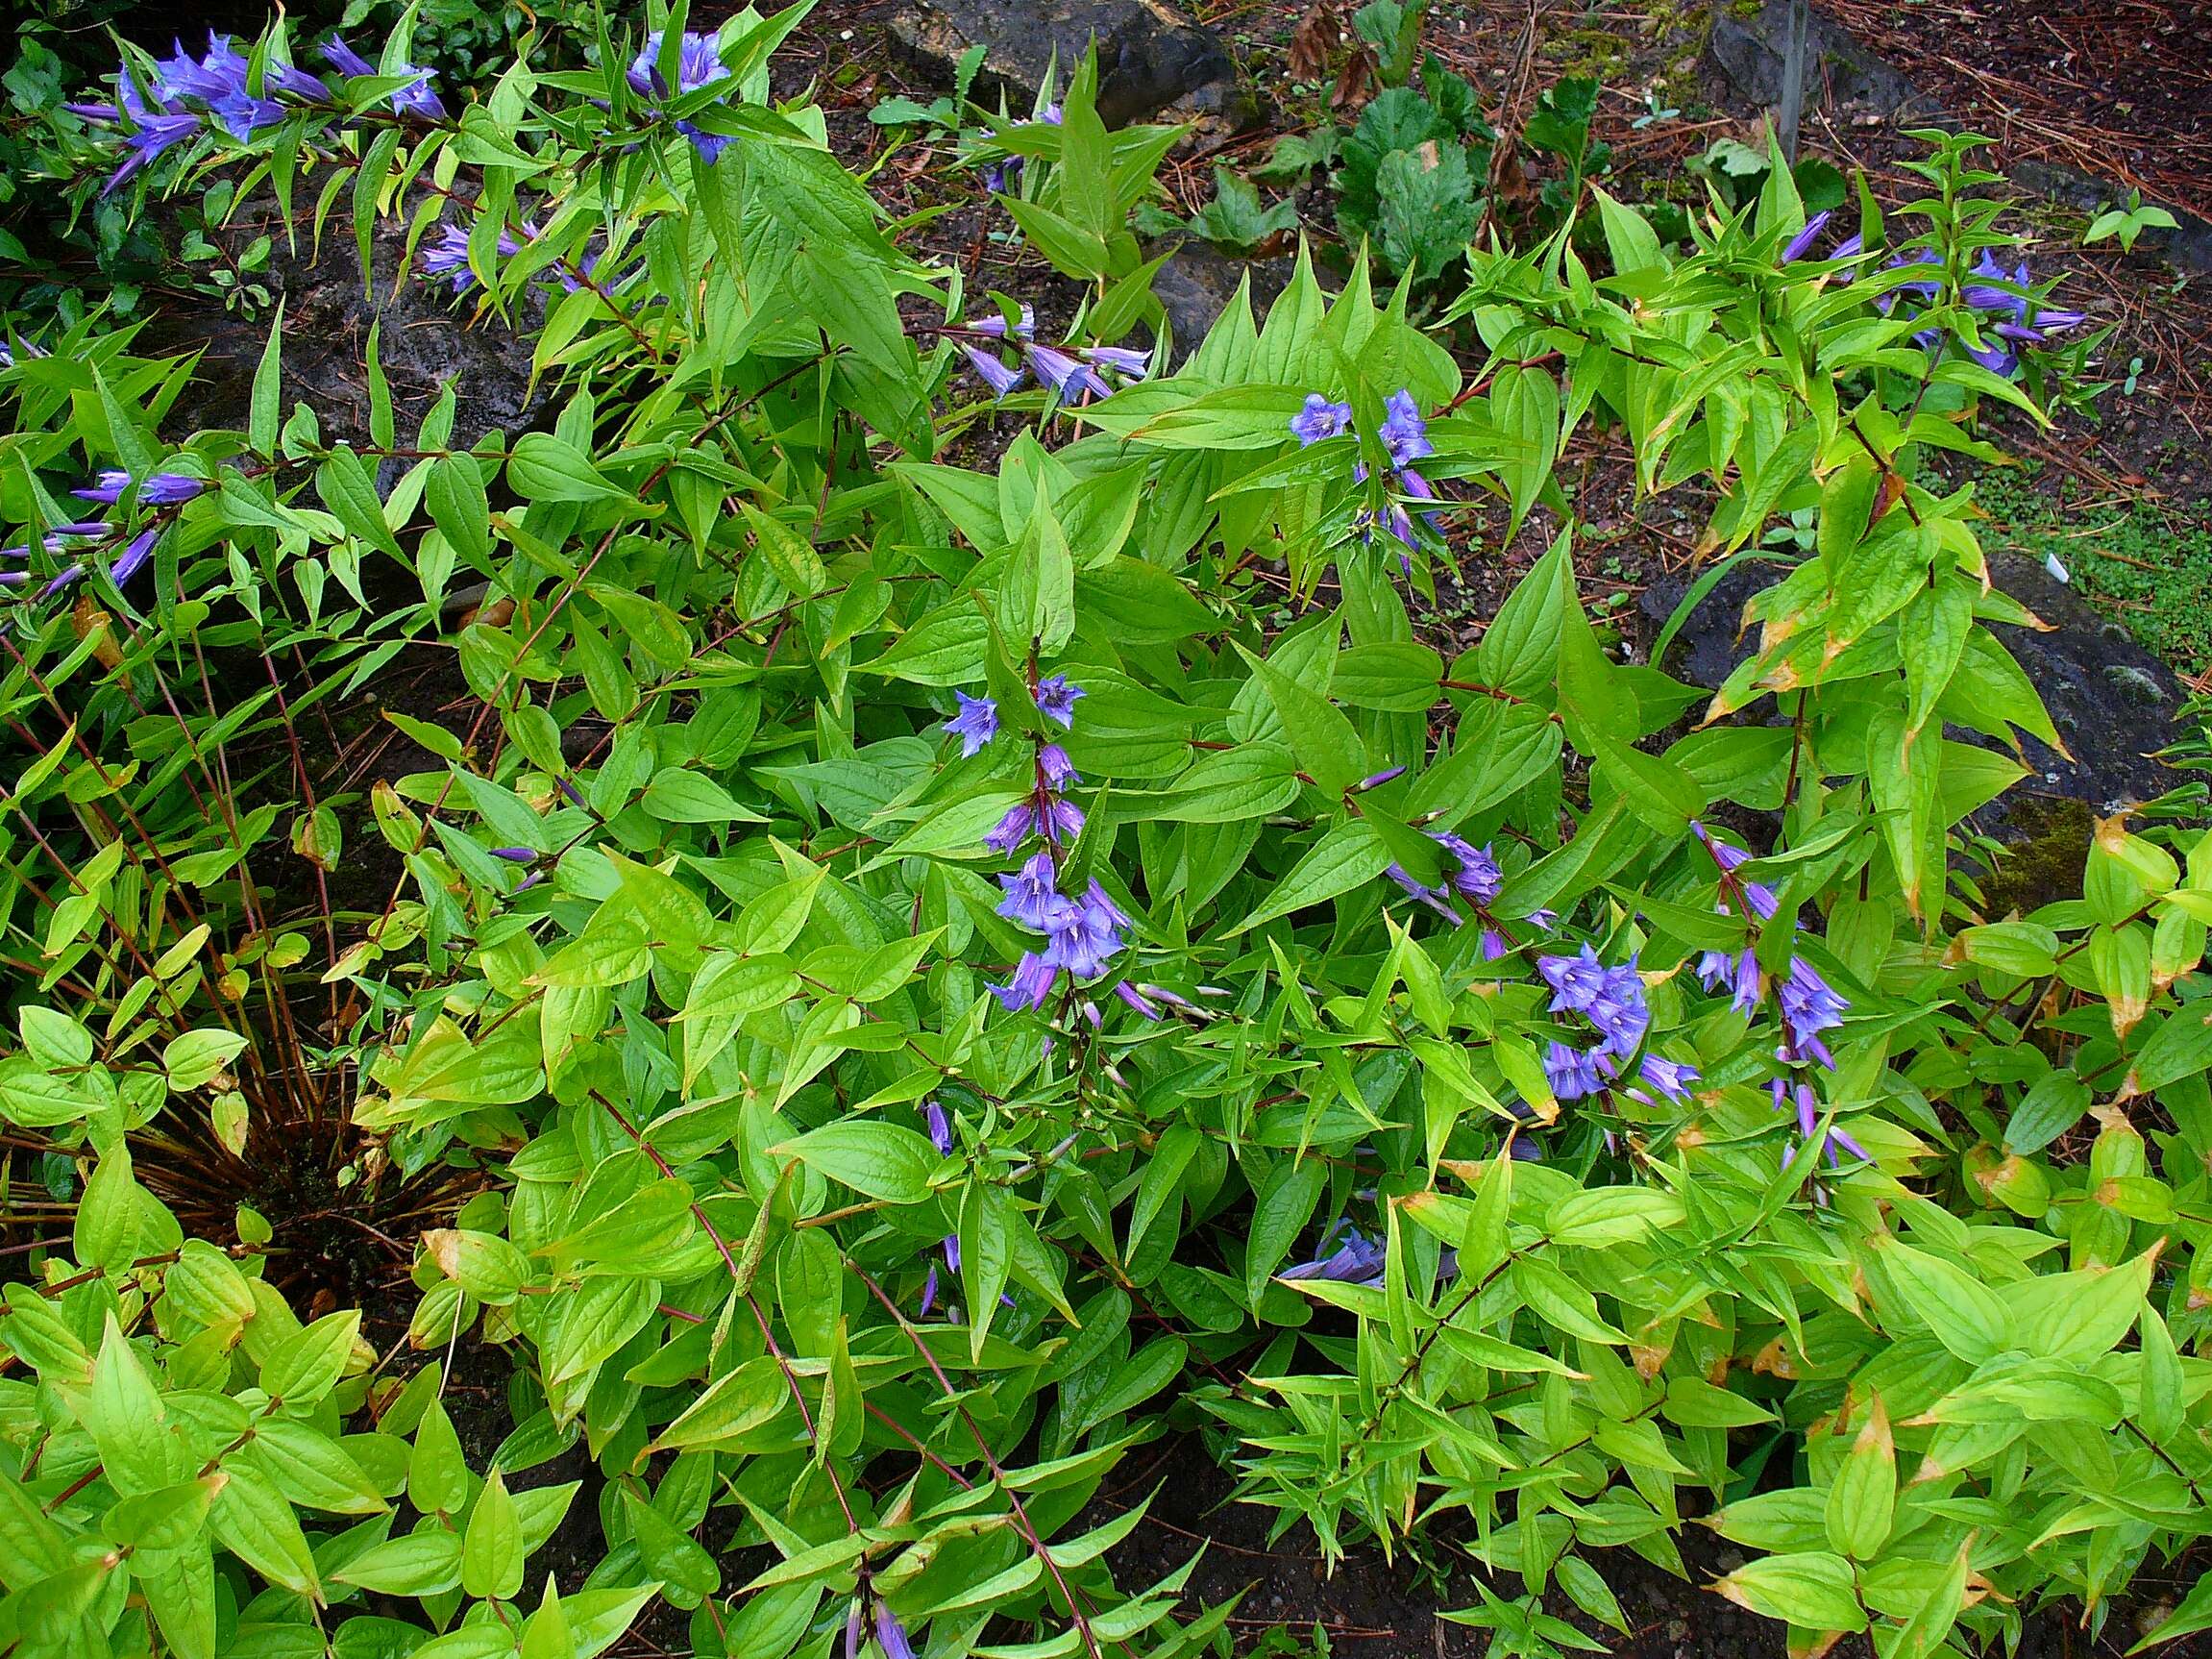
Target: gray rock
[428,338]
[1197,283]
[2112,700]
[1750,51]
[2188,246]
[1153,56]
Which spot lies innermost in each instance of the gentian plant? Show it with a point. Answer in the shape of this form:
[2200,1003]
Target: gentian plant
[887,982]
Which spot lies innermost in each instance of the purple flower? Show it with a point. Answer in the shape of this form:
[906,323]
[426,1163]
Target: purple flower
[1356,1260]
[1475,872]
[1135,996]
[242,114]
[448,256]
[149,138]
[1493,945]
[1070,381]
[217,75]
[1758,895]
[1030,984]
[1610,999]
[928,1301]
[1524,1150]
[1054,767]
[1320,419]
[160,488]
[291,82]
[1738,975]
[891,1635]
[134,556]
[344,58]
[1572,1072]
[1121,360]
[514,854]
[993,374]
[1056,698]
[418,97]
[699,64]
[939,1126]
[994,324]
[1620,1014]
[1795,248]
[1376,780]
[1034,900]
[1671,1077]
[1012,830]
[1062,819]
[855,1624]
[1404,434]
[1577,981]
[1809,1006]
[1002,178]
[1085,942]
[975,725]
[62,538]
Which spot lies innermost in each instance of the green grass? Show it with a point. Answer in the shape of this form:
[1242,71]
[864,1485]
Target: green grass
[2148,566]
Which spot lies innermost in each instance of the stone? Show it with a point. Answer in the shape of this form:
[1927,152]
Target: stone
[2186,247]
[428,338]
[1197,283]
[1750,51]
[2111,700]
[1153,57]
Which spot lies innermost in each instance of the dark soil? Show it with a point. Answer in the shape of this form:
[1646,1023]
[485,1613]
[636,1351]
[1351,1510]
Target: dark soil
[2121,90]
[1372,1609]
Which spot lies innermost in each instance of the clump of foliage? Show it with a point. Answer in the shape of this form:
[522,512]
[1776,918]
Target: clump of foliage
[938,991]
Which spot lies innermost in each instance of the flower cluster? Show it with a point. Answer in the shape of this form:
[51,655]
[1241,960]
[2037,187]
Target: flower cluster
[1473,873]
[697,63]
[1083,932]
[69,540]
[218,86]
[1809,1005]
[1612,1000]
[1346,1255]
[2006,317]
[418,97]
[1404,436]
[1072,376]
[446,255]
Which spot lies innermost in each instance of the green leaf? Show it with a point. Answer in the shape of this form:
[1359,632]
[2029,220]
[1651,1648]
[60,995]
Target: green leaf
[1965,1315]
[1813,1590]
[195,1059]
[1320,737]
[2052,1105]
[885,1161]
[124,1415]
[492,1555]
[548,468]
[265,406]
[251,1520]
[307,1365]
[1349,854]
[1862,1499]
[460,507]
[1280,1212]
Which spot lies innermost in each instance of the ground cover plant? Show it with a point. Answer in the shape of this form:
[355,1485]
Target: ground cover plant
[893,978]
